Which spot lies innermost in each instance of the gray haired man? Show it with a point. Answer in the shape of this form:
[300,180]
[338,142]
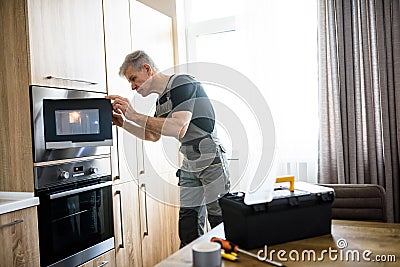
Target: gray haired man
[183,111]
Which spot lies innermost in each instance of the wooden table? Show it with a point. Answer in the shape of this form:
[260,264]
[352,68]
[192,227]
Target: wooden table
[376,241]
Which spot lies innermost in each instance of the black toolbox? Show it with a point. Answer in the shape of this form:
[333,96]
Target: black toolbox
[304,213]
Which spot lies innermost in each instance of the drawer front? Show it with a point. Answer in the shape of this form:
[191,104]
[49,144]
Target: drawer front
[105,260]
[19,238]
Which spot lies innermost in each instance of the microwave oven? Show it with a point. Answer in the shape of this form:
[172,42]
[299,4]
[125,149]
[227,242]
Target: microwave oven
[69,123]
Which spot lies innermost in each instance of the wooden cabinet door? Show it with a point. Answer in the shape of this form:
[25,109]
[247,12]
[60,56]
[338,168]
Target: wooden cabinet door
[67,44]
[156,162]
[159,222]
[117,32]
[19,238]
[127,225]
[16,172]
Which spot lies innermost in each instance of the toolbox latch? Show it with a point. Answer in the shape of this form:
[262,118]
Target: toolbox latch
[259,207]
[327,197]
[293,201]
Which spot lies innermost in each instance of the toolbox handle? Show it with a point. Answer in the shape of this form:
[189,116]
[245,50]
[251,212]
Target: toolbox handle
[287,178]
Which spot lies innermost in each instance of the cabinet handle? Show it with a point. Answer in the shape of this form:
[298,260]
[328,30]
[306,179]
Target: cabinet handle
[103,264]
[11,223]
[70,80]
[142,158]
[120,217]
[143,188]
[117,177]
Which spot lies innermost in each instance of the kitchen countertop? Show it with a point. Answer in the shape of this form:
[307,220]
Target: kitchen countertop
[12,201]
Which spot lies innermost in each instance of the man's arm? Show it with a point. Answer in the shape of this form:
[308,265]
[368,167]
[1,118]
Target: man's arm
[175,126]
[140,132]
[148,128]
[151,128]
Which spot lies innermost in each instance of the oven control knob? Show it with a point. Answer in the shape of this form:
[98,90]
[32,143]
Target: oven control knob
[93,170]
[64,175]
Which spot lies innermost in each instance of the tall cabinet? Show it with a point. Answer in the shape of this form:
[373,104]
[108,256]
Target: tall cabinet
[81,44]
[44,42]
[16,171]
[125,189]
[146,224]
[57,43]
[157,162]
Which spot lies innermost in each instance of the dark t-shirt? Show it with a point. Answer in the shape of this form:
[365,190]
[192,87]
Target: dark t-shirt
[187,94]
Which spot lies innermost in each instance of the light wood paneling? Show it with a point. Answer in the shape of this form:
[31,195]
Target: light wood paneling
[152,32]
[67,41]
[16,167]
[127,225]
[118,45]
[162,239]
[19,241]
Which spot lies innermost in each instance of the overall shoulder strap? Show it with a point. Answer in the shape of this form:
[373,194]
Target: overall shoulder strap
[171,81]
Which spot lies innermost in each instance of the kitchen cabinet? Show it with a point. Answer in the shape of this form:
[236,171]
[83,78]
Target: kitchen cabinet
[66,41]
[125,189]
[40,38]
[159,226]
[149,224]
[19,238]
[156,162]
[127,225]
[117,32]
[73,42]
[16,170]
[105,260]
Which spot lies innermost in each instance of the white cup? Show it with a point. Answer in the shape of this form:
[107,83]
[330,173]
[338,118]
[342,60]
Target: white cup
[206,254]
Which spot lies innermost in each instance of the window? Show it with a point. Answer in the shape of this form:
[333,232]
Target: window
[274,44]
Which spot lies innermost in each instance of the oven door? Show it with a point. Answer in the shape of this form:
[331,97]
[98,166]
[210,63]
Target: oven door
[75,223]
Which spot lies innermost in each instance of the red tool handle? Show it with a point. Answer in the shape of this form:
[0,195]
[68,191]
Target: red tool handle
[225,244]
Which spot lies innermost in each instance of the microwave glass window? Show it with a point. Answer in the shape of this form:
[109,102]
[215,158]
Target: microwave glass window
[74,122]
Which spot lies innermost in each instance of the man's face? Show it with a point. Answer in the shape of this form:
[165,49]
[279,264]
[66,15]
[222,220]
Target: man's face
[139,80]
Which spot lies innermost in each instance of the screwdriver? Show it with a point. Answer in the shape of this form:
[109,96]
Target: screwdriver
[229,246]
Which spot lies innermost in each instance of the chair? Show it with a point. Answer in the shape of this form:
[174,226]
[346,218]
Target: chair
[362,202]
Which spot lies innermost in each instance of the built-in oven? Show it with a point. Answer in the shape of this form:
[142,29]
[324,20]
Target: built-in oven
[75,222]
[71,132]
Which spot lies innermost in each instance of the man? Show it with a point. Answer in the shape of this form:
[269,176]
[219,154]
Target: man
[183,111]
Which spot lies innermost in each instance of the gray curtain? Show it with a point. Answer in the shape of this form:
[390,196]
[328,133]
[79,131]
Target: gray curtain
[359,72]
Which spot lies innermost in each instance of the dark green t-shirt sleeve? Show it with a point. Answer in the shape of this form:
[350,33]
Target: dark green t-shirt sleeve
[183,96]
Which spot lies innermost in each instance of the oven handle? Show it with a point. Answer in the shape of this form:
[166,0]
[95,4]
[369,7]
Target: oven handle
[80,190]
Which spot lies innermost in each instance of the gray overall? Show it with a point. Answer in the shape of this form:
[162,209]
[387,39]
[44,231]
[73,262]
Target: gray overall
[203,177]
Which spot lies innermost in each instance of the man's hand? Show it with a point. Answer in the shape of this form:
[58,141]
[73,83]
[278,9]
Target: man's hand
[146,127]
[118,118]
[121,105]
